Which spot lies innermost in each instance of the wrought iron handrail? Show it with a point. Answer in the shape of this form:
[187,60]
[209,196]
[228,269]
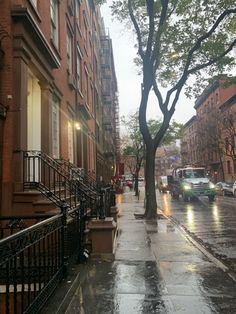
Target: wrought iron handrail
[43,173]
[78,173]
[12,224]
[58,181]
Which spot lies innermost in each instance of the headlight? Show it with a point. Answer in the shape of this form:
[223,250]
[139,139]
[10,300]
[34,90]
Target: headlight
[186,187]
[211,185]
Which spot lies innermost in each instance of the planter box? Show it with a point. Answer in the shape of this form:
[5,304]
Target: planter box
[103,235]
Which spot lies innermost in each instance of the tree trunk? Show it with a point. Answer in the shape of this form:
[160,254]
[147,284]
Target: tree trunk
[150,191]
[136,182]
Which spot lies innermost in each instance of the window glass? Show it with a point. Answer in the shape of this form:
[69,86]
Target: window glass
[69,50]
[55,127]
[34,2]
[78,69]
[54,21]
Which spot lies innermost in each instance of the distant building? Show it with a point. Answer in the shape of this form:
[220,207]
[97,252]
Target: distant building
[206,135]
[188,143]
[167,158]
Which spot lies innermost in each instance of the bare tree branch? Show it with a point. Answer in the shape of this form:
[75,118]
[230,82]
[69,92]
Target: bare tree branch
[156,50]
[137,29]
[150,11]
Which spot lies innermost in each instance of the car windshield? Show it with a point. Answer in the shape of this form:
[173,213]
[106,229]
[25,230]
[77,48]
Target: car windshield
[194,173]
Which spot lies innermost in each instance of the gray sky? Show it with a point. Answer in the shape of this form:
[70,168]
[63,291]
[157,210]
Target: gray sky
[128,80]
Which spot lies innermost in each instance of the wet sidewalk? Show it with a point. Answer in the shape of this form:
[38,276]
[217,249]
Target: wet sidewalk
[156,269]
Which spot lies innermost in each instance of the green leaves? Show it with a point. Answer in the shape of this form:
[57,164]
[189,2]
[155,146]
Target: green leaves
[177,31]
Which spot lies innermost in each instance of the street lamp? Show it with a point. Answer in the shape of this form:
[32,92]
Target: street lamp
[77,126]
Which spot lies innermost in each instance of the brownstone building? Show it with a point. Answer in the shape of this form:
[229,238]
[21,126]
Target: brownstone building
[50,88]
[206,135]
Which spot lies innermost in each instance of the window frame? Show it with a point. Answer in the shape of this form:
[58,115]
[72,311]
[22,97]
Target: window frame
[54,17]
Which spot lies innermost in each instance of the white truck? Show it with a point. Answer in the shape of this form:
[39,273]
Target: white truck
[191,182]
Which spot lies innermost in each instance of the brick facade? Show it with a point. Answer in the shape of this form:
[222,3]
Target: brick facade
[204,135]
[48,86]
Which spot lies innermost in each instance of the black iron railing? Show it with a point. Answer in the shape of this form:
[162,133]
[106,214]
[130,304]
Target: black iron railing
[12,224]
[58,180]
[79,174]
[35,250]
[35,259]
[43,173]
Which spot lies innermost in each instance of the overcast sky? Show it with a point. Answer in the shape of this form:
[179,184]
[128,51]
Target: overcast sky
[128,80]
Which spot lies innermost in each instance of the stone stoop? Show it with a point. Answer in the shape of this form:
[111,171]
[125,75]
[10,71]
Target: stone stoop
[30,203]
[103,234]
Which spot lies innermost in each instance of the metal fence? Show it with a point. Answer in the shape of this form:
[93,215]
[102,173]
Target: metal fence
[34,260]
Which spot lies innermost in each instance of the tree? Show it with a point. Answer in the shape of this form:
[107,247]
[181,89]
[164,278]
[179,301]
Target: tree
[133,145]
[176,39]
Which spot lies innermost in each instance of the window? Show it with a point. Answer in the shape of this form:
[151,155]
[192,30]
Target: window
[54,21]
[78,68]
[91,97]
[86,85]
[34,2]
[85,30]
[70,140]
[55,127]
[77,12]
[95,67]
[69,50]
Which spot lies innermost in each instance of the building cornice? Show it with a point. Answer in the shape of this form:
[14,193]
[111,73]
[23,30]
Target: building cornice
[190,121]
[207,91]
[23,15]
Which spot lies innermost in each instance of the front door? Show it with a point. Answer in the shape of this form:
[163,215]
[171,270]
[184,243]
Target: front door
[33,126]
[33,113]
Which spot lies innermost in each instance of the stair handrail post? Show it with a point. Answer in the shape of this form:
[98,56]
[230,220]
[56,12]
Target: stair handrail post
[64,241]
[102,204]
[108,201]
[113,197]
[81,229]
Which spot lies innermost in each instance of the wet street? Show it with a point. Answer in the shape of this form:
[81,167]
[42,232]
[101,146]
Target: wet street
[212,224]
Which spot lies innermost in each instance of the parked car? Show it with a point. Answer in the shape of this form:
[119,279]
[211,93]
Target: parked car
[234,189]
[228,189]
[220,187]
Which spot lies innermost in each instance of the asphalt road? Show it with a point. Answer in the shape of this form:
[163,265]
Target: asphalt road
[211,224]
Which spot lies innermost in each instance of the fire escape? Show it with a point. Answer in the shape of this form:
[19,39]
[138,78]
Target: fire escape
[110,108]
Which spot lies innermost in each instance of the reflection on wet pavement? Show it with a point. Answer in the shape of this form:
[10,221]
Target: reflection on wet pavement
[213,223]
[156,270]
